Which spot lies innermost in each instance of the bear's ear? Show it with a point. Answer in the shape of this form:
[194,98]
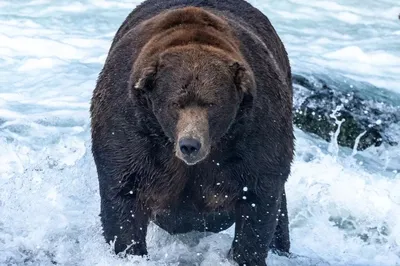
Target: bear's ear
[143,76]
[244,78]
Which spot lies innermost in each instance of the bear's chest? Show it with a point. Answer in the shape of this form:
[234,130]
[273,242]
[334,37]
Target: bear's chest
[211,189]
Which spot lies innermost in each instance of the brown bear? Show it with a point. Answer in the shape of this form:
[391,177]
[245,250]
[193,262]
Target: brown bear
[192,127]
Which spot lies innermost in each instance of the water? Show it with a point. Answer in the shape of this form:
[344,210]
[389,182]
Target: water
[344,209]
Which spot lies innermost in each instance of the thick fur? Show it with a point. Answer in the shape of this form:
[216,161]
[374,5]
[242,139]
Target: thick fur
[220,44]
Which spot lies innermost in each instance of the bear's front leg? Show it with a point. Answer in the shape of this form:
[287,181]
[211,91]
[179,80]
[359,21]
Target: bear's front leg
[281,242]
[256,220]
[124,220]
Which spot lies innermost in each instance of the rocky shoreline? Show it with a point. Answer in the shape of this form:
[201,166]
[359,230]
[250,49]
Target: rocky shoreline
[368,112]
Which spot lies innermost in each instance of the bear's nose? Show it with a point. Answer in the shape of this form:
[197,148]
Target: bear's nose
[189,146]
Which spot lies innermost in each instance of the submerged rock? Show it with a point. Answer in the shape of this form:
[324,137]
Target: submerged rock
[367,112]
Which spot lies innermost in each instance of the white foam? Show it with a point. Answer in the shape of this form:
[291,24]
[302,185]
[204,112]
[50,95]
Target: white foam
[39,47]
[39,64]
[114,4]
[356,54]
[70,7]
[348,17]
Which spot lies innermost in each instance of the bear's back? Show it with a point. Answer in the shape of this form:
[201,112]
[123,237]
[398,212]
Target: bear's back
[234,9]
[150,8]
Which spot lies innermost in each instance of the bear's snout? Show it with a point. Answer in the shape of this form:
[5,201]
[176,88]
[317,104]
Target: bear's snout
[192,136]
[192,150]
[189,146]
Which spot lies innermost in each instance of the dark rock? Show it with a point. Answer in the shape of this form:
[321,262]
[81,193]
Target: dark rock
[366,110]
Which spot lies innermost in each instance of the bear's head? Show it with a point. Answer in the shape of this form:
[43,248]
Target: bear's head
[195,92]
